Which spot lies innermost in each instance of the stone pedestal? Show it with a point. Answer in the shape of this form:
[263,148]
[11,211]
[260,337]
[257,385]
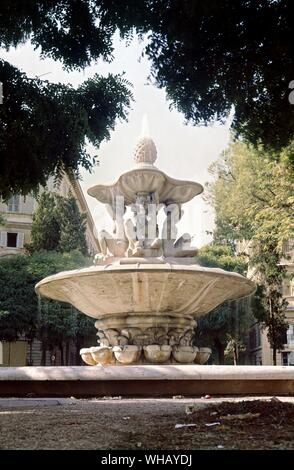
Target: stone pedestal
[145,339]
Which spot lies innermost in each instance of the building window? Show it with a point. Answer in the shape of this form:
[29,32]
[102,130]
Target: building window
[11,240]
[13,203]
[290,335]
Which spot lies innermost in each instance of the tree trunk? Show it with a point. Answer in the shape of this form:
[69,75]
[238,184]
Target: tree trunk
[31,352]
[273,333]
[67,349]
[235,354]
[61,355]
[274,356]
[220,351]
[78,361]
[43,358]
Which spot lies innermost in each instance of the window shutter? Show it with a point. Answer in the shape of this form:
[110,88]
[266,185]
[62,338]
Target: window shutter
[3,239]
[20,239]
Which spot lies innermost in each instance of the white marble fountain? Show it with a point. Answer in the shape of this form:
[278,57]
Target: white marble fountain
[145,289]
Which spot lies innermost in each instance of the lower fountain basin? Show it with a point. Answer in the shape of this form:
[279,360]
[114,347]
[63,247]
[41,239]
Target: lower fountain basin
[142,288]
[203,355]
[185,354]
[128,354]
[156,354]
[145,309]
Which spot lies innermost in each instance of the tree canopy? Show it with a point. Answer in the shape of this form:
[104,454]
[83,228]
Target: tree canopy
[253,196]
[22,314]
[226,325]
[211,57]
[43,126]
[58,225]
[18,302]
[253,200]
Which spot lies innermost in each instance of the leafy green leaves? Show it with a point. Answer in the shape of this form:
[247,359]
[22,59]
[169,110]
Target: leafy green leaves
[20,311]
[210,57]
[253,199]
[221,256]
[43,126]
[58,225]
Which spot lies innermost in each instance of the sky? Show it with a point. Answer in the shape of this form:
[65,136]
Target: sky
[184,151]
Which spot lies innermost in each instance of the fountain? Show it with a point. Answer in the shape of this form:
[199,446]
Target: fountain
[145,289]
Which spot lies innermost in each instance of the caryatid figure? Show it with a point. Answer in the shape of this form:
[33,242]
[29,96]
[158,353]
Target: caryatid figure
[173,246]
[141,229]
[114,244]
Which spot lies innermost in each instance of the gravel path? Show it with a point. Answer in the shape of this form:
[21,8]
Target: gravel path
[114,423]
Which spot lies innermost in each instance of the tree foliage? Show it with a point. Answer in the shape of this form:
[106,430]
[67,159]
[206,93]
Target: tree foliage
[43,126]
[224,328]
[58,225]
[210,57]
[72,225]
[269,309]
[18,302]
[222,256]
[45,233]
[253,196]
[22,313]
[253,200]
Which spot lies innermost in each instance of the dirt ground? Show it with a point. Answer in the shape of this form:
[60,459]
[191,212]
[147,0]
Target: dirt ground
[266,423]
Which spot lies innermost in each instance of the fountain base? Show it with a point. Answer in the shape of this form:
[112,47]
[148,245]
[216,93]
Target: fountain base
[146,381]
[150,354]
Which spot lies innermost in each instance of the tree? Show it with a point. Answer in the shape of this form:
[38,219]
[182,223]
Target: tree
[58,225]
[23,314]
[59,322]
[222,256]
[225,327]
[212,56]
[44,125]
[72,226]
[269,309]
[271,275]
[18,302]
[253,200]
[45,233]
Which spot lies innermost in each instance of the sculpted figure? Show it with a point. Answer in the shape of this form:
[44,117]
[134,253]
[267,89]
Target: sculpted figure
[141,228]
[114,244]
[186,339]
[173,246]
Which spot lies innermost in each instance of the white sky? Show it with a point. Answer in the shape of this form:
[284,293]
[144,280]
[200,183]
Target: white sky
[184,151]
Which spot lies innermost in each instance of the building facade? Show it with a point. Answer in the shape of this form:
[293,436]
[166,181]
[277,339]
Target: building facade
[18,218]
[258,350]
[18,215]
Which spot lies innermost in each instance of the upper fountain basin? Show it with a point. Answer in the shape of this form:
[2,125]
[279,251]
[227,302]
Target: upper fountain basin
[146,179]
[140,288]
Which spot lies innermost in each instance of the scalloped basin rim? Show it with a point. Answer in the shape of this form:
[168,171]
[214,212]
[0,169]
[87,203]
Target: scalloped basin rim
[148,289]
[166,186]
[167,267]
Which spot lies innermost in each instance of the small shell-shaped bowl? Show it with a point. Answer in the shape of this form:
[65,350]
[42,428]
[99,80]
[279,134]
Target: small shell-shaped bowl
[102,355]
[157,354]
[203,355]
[184,354]
[128,354]
[87,357]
